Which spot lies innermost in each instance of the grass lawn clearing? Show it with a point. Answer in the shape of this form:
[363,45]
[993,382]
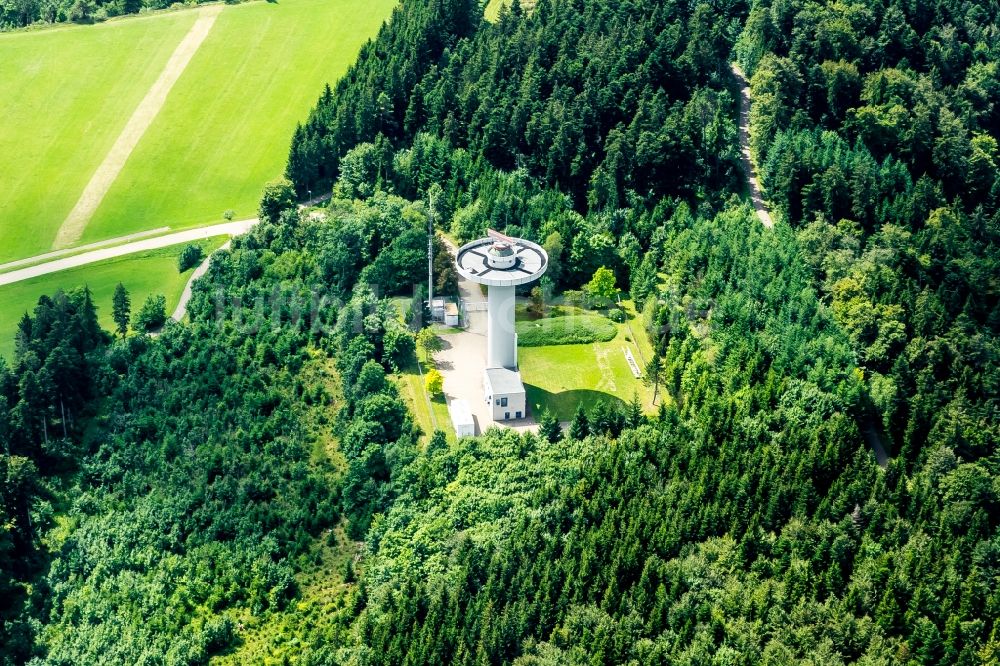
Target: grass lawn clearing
[67,94]
[560,377]
[225,129]
[143,274]
[411,387]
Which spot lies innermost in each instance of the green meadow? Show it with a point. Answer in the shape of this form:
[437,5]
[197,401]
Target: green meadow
[559,377]
[143,274]
[225,129]
[222,132]
[67,93]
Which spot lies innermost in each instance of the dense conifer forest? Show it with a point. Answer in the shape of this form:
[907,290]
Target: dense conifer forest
[164,497]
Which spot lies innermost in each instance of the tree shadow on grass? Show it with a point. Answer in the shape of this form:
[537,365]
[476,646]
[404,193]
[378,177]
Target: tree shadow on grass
[564,403]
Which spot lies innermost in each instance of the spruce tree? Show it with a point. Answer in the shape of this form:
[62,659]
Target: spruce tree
[549,428]
[654,373]
[634,418]
[580,427]
[121,309]
[88,321]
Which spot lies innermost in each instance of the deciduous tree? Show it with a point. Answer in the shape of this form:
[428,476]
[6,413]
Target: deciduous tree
[434,382]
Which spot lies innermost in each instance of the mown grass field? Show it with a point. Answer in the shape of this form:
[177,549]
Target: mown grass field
[560,377]
[223,131]
[66,94]
[227,125]
[153,272]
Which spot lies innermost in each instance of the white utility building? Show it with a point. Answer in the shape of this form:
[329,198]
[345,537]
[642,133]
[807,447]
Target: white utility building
[437,309]
[504,390]
[502,263]
[461,418]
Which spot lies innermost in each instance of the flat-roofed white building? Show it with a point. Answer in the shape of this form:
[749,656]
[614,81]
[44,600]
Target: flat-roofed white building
[504,392]
[461,418]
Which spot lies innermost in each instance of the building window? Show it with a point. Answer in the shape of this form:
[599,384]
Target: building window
[503,402]
[517,415]
[498,401]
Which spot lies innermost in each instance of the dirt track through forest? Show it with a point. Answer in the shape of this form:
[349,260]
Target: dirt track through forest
[76,222]
[748,170]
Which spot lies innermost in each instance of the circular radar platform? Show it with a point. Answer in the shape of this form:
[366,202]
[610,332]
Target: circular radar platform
[501,261]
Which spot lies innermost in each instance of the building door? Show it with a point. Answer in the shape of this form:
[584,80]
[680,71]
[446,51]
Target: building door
[506,416]
[517,415]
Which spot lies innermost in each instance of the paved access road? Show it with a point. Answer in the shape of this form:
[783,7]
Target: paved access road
[73,261]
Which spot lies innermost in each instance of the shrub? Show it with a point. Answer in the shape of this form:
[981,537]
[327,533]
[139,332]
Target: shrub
[601,288]
[616,315]
[190,257]
[572,330]
[573,298]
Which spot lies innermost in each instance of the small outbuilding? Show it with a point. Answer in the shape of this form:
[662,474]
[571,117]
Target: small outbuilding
[504,391]
[437,309]
[450,314]
[461,418]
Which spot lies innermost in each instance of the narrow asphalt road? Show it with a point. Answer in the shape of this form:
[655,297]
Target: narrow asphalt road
[120,240]
[748,169]
[113,251]
[181,308]
[186,236]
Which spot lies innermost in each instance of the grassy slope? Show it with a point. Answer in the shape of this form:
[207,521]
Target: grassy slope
[153,272]
[429,412]
[561,377]
[493,7]
[66,95]
[225,129]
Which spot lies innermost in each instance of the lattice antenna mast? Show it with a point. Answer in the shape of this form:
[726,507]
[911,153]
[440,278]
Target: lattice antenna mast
[430,257]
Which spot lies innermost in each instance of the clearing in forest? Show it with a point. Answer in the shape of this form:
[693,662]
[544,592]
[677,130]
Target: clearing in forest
[493,7]
[561,377]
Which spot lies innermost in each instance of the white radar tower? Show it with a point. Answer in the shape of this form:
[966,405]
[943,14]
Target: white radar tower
[501,263]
